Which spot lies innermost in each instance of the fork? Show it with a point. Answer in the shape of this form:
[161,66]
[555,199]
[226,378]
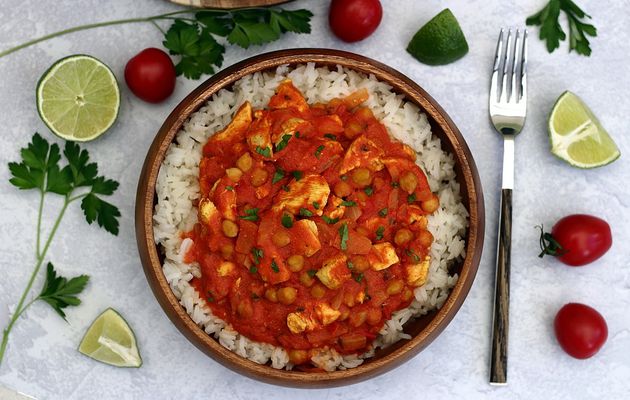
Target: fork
[508,106]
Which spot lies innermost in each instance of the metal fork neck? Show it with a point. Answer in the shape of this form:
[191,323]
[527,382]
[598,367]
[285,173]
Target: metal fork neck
[508,162]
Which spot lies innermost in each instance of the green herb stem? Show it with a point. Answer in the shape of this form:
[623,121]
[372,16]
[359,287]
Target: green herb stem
[21,307]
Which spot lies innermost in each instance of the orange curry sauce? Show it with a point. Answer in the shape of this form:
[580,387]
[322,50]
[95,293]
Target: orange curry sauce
[312,224]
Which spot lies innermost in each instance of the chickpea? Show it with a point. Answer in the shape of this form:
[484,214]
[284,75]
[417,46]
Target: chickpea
[272,295]
[395,287]
[259,177]
[281,238]
[403,236]
[348,299]
[318,291]
[230,229]
[362,177]
[234,174]
[227,250]
[287,295]
[364,114]
[408,182]
[431,204]
[306,279]
[422,223]
[298,356]
[407,294]
[345,313]
[425,238]
[244,162]
[360,263]
[295,262]
[342,189]
[363,231]
[245,309]
[357,319]
[374,316]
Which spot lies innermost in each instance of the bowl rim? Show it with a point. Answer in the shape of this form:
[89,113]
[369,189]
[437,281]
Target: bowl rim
[152,265]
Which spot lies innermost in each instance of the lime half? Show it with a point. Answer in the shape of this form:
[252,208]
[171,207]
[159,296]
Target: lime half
[577,136]
[110,340]
[440,41]
[78,98]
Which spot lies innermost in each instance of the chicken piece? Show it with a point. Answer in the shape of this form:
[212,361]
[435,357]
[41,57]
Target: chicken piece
[235,131]
[298,322]
[335,208]
[208,213]
[417,274]
[288,96]
[289,127]
[326,314]
[356,98]
[334,271]
[304,236]
[259,135]
[303,194]
[226,268]
[362,153]
[225,199]
[409,214]
[382,256]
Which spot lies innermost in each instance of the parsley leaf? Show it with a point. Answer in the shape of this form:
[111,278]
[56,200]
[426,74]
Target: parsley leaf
[330,136]
[265,152]
[287,221]
[230,188]
[105,214]
[330,221]
[277,176]
[258,255]
[348,203]
[383,212]
[274,266]
[60,292]
[297,175]
[343,234]
[411,198]
[358,277]
[316,205]
[250,215]
[379,232]
[552,33]
[311,272]
[305,212]
[283,143]
[318,151]
[369,190]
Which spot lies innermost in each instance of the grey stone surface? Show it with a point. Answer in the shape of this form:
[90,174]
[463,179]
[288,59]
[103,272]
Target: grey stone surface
[42,360]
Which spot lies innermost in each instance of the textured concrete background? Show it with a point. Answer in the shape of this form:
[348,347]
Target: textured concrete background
[42,360]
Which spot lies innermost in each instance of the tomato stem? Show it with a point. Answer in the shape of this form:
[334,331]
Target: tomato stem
[549,245]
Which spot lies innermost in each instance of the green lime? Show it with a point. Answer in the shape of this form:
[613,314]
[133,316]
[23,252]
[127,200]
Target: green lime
[440,41]
[110,340]
[577,136]
[78,98]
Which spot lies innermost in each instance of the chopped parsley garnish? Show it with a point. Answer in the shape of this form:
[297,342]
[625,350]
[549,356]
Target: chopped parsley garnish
[255,296]
[369,190]
[230,188]
[383,212]
[348,203]
[283,143]
[258,254]
[305,212]
[394,184]
[358,277]
[379,232]
[274,266]
[311,272]
[330,221]
[343,234]
[318,151]
[350,265]
[330,136]
[277,176]
[297,135]
[253,269]
[344,177]
[287,221]
[210,297]
[266,152]
[414,256]
[285,188]
[297,175]
[250,215]
[316,205]
[411,198]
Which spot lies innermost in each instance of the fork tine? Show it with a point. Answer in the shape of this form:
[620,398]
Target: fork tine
[504,87]
[523,96]
[494,82]
[516,79]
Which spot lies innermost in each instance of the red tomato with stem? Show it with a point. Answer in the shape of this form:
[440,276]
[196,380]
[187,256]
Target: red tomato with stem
[150,75]
[577,239]
[354,20]
[580,330]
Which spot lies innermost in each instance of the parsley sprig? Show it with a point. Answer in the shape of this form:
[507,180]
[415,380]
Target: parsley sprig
[552,33]
[194,38]
[78,180]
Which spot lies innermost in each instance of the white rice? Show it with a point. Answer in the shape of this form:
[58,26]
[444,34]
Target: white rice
[177,187]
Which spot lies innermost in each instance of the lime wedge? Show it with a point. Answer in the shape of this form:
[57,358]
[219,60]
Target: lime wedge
[440,41]
[577,136]
[110,340]
[78,98]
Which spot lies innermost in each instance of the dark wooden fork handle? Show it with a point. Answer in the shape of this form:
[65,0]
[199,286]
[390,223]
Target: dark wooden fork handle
[500,324]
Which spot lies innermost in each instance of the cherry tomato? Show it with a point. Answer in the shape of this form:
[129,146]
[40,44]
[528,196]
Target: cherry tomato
[354,20]
[577,239]
[150,75]
[580,330]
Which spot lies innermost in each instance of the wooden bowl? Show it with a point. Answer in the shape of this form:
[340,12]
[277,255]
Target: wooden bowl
[423,330]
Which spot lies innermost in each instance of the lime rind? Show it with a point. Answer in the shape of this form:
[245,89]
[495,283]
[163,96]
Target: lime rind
[440,41]
[110,340]
[577,137]
[78,79]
